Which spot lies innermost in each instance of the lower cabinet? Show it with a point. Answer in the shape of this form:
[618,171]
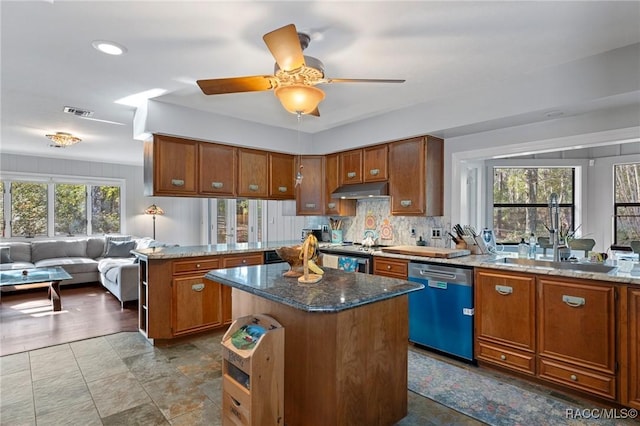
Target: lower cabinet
[196,304]
[631,349]
[394,268]
[561,330]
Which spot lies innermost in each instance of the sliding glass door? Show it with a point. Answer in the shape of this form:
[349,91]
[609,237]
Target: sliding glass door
[235,221]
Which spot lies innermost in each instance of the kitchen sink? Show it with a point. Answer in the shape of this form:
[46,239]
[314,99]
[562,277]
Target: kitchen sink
[571,266]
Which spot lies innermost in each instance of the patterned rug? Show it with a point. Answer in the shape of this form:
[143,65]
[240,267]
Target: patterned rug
[494,401]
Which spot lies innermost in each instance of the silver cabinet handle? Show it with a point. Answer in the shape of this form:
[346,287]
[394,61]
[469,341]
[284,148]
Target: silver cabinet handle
[310,205]
[405,203]
[503,357]
[504,289]
[253,187]
[374,172]
[217,185]
[282,188]
[351,175]
[331,205]
[574,377]
[573,301]
[197,287]
[177,182]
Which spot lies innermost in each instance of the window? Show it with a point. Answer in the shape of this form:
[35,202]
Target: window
[50,208]
[521,200]
[235,221]
[627,203]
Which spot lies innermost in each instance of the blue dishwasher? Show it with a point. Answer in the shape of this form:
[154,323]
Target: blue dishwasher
[441,315]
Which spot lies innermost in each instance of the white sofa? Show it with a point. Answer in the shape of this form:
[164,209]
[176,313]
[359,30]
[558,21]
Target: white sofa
[104,259]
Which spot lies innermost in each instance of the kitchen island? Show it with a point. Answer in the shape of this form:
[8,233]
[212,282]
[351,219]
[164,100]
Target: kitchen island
[345,341]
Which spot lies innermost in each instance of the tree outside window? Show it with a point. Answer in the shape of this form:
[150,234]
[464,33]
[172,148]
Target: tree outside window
[521,201]
[29,209]
[105,209]
[627,203]
[70,209]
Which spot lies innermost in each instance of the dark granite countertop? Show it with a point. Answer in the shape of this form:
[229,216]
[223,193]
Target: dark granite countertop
[337,291]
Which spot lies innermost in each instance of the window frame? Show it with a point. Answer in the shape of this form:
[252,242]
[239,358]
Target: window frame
[616,204]
[51,181]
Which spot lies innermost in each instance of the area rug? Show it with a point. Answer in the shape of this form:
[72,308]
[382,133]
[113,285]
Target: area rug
[491,400]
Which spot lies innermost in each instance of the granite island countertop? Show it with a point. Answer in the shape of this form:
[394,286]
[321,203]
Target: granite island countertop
[336,291]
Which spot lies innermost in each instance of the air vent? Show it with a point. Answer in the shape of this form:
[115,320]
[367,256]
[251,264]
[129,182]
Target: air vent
[78,111]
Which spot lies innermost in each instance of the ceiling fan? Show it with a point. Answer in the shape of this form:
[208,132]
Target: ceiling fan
[295,75]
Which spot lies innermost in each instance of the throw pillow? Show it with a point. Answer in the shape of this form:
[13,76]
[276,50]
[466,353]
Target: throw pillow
[108,238]
[120,248]
[5,255]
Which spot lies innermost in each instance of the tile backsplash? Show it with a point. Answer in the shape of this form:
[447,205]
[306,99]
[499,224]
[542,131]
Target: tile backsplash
[375,215]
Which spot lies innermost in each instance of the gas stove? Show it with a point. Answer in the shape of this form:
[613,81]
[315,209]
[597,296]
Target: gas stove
[349,249]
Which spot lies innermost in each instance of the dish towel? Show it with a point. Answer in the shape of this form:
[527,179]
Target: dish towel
[348,264]
[329,261]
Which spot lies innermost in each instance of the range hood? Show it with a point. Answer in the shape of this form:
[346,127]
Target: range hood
[361,190]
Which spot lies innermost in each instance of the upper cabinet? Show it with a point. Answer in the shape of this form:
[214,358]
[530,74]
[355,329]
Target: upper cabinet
[218,169]
[253,173]
[416,177]
[281,176]
[170,166]
[350,163]
[335,206]
[375,163]
[310,191]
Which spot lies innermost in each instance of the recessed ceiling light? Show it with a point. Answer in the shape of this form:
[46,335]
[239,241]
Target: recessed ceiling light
[108,47]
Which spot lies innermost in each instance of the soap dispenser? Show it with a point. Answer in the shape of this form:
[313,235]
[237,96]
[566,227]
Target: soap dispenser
[523,248]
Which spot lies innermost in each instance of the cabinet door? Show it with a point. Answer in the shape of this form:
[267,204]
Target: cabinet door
[335,206]
[375,163]
[196,304]
[309,194]
[577,323]
[407,177]
[281,176]
[505,308]
[173,165]
[633,349]
[350,166]
[218,169]
[252,179]
[394,268]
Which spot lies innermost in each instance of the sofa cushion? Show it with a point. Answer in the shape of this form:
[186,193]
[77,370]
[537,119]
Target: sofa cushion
[16,265]
[95,247]
[120,248]
[41,250]
[18,251]
[110,267]
[73,265]
[5,255]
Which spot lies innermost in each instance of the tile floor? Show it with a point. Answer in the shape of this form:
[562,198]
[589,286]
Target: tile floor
[121,379]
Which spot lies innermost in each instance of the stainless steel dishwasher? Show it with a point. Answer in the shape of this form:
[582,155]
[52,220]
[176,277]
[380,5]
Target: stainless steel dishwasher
[441,315]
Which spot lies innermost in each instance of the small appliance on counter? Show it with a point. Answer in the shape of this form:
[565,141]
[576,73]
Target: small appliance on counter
[317,232]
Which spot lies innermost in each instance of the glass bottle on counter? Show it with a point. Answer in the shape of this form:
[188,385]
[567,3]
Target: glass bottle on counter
[523,248]
[532,246]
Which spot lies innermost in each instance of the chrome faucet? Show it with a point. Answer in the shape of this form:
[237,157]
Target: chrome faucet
[554,216]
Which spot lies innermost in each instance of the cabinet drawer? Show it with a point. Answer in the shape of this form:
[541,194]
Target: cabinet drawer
[236,402]
[204,265]
[585,380]
[242,260]
[391,268]
[507,357]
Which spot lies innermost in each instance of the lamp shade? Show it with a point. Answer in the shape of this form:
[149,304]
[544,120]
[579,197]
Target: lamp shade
[299,98]
[63,139]
[154,210]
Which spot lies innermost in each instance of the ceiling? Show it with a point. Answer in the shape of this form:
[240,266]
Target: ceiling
[442,49]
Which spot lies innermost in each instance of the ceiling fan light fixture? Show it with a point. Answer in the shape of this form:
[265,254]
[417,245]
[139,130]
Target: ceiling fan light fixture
[63,139]
[299,98]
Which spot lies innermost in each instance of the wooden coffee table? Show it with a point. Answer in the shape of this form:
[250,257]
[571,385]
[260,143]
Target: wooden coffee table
[52,275]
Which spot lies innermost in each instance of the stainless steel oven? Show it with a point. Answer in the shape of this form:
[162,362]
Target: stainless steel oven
[348,258]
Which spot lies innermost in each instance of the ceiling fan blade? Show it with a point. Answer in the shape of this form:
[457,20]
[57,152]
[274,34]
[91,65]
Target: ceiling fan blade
[254,83]
[315,112]
[284,45]
[361,80]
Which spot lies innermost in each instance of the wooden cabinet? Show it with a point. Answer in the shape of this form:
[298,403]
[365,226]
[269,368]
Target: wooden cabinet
[335,206]
[196,304]
[170,166]
[375,163]
[253,172]
[281,176]
[310,192]
[394,268]
[218,167]
[630,348]
[416,168]
[350,166]
[505,319]
[231,261]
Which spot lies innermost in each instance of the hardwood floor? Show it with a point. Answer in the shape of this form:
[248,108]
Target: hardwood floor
[27,321]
